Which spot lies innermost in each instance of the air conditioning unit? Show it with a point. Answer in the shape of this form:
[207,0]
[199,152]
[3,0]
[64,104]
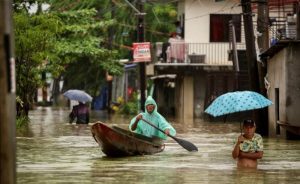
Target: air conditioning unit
[197,58]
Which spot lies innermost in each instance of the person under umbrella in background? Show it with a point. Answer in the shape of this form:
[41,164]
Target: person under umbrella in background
[249,146]
[81,113]
[137,125]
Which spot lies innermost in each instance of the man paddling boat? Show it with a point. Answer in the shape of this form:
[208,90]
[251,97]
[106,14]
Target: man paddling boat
[137,125]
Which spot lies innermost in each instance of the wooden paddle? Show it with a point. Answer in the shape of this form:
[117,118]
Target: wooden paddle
[185,144]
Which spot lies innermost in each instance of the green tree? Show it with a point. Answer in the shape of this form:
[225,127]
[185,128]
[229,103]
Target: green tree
[55,41]
[92,75]
[159,20]
[35,37]
[73,40]
[81,47]
[119,35]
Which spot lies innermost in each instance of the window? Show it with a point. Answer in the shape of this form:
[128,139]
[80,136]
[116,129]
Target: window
[219,27]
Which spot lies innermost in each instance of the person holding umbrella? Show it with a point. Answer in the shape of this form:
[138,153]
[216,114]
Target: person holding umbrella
[81,113]
[249,146]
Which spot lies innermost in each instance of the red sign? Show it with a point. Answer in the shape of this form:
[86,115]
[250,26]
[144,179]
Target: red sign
[141,52]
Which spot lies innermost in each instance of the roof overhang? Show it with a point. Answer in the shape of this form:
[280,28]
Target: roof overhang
[170,76]
[278,46]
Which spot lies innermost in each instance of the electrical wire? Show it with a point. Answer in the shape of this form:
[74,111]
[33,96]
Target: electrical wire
[218,11]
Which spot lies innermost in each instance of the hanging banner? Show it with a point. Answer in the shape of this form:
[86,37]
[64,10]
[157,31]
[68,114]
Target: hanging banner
[141,52]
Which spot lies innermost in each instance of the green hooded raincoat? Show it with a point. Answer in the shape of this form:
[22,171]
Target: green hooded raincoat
[155,118]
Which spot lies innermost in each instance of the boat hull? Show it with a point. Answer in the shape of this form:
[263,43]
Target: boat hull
[117,142]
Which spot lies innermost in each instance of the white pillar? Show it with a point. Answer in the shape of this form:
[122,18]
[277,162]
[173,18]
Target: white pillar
[185,96]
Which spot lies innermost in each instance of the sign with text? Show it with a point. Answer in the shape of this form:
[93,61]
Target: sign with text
[141,52]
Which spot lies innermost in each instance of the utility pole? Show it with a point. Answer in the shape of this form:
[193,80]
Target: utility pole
[142,65]
[7,97]
[262,38]
[251,57]
[109,79]
[250,45]
[263,44]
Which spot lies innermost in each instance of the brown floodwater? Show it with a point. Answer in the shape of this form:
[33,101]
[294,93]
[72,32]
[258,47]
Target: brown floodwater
[52,151]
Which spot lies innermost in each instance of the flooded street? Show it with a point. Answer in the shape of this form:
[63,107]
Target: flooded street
[53,151]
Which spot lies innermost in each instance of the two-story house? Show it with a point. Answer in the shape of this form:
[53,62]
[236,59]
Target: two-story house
[201,63]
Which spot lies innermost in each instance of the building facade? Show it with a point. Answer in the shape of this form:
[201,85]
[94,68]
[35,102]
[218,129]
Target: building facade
[202,59]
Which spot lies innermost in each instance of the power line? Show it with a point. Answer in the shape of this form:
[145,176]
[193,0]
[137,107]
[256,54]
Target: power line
[221,10]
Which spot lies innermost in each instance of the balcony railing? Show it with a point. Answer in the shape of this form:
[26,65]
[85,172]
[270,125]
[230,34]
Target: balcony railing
[195,53]
[282,21]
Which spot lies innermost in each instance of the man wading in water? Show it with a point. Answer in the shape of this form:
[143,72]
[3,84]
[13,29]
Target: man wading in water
[249,146]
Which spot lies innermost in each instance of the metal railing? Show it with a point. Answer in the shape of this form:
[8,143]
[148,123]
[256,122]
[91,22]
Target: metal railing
[282,20]
[284,29]
[194,53]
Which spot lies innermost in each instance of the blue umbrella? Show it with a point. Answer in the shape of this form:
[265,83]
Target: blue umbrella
[236,102]
[78,95]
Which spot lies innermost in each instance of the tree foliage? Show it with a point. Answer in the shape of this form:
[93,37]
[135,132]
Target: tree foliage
[81,47]
[159,20]
[35,37]
[51,42]
[79,40]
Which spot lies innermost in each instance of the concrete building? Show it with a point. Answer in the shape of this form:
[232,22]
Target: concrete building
[282,59]
[283,86]
[201,60]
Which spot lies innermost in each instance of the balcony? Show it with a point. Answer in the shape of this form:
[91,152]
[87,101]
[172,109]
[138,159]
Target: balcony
[282,23]
[194,54]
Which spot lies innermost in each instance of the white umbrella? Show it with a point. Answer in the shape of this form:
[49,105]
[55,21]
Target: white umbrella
[78,95]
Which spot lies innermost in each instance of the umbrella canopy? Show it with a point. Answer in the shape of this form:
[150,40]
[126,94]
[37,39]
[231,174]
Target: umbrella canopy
[78,95]
[236,102]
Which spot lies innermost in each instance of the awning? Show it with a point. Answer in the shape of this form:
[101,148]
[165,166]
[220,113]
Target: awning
[169,76]
[129,66]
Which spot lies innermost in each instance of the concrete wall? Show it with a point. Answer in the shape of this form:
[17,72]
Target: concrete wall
[197,17]
[184,93]
[188,98]
[293,84]
[277,79]
[284,74]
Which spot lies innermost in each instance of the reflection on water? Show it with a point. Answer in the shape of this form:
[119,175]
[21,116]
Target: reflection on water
[53,151]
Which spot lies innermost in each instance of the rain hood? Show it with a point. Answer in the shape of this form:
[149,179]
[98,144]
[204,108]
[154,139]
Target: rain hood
[156,119]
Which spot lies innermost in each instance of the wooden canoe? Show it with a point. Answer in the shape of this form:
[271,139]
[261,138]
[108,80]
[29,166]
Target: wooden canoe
[117,142]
